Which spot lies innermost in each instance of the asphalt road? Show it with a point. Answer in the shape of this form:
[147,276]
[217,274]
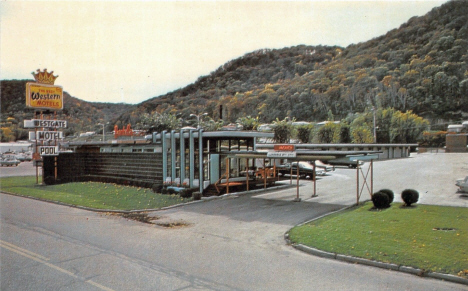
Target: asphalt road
[23,169]
[235,243]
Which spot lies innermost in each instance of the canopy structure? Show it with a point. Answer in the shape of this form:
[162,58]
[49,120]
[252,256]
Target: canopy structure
[312,156]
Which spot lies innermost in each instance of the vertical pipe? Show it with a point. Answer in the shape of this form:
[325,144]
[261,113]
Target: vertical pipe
[357,183]
[228,173]
[173,156]
[247,173]
[191,157]
[200,160]
[164,155]
[297,181]
[315,181]
[372,177]
[290,173]
[182,156]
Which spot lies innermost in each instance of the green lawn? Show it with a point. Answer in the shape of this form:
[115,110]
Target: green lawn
[433,238]
[91,194]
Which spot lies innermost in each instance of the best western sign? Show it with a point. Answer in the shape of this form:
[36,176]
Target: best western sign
[42,96]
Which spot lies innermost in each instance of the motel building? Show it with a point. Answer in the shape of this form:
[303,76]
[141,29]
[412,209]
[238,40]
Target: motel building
[214,163]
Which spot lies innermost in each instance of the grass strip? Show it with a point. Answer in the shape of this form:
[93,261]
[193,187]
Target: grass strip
[432,238]
[91,194]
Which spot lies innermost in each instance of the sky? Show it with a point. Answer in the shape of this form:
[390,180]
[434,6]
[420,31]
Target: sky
[131,51]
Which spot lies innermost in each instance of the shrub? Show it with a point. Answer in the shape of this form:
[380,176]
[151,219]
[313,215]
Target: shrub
[197,195]
[186,193]
[164,191]
[410,196]
[157,187]
[380,200]
[389,193]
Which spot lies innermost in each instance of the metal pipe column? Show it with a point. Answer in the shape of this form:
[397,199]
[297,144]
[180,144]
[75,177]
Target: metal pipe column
[173,156]
[191,157]
[164,155]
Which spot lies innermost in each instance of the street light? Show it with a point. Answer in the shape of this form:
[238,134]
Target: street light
[198,118]
[103,130]
[375,133]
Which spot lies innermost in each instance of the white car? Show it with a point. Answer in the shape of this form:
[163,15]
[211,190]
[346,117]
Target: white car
[462,184]
[326,167]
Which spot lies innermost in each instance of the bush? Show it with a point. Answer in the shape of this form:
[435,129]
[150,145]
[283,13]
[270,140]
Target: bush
[157,188]
[197,195]
[164,190]
[389,193]
[410,196]
[186,193]
[380,200]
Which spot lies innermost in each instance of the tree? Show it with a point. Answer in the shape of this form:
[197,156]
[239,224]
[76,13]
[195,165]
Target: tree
[248,123]
[282,130]
[304,133]
[158,122]
[329,133]
[362,134]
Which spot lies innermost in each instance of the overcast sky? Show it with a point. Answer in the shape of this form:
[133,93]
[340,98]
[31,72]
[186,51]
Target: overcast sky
[128,51]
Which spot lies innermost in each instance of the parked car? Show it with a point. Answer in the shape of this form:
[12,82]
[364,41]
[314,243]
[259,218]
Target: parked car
[306,170]
[326,167]
[344,162]
[462,184]
[9,161]
[24,157]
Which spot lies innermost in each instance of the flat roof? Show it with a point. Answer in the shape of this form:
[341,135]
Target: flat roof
[301,154]
[222,134]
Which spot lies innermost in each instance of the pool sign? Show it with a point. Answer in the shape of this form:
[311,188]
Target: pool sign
[48,150]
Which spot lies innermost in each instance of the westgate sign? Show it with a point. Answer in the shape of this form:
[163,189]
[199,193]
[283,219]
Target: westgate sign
[34,123]
[43,96]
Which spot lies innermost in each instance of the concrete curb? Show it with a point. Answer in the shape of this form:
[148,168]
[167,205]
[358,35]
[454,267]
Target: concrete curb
[377,264]
[147,210]
[382,265]
[101,210]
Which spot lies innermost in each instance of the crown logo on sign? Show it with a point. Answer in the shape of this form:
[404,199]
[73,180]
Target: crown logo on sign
[44,77]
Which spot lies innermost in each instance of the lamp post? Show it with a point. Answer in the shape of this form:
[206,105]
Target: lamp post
[375,132]
[103,130]
[198,116]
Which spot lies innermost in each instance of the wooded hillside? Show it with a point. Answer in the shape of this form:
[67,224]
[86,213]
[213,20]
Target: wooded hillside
[421,66]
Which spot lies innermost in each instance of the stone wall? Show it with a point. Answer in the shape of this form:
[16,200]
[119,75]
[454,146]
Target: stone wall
[138,169]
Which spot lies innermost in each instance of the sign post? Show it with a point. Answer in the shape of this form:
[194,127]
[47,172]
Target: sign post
[44,95]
